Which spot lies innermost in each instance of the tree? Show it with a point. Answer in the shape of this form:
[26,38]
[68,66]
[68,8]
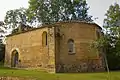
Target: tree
[111,39]
[81,11]
[112,19]
[2,32]
[2,53]
[2,46]
[21,28]
[14,17]
[50,11]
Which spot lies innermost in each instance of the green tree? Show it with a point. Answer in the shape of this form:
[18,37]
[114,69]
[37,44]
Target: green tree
[2,53]
[2,46]
[50,11]
[14,17]
[17,20]
[110,42]
[22,28]
[81,11]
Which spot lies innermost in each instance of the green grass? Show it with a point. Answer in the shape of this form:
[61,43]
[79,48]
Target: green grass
[41,75]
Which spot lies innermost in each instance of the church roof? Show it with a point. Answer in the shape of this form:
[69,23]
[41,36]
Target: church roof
[57,23]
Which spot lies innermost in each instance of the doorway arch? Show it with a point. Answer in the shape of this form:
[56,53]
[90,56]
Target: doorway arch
[14,58]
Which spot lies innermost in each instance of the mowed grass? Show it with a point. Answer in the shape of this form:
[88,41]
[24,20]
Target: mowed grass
[41,75]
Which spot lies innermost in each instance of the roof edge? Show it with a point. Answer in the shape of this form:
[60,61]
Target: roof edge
[51,25]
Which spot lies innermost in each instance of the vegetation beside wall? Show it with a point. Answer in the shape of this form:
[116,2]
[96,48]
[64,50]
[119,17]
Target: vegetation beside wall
[2,53]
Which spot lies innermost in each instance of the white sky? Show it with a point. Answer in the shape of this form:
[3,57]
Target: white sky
[6,5]
[97,7]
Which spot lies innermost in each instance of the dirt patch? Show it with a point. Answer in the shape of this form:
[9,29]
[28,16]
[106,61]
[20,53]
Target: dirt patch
[15,78]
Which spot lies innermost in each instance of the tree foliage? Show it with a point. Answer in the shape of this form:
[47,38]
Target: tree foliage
[2,52]
[49,11]
[21,28]
[111,39]
[46,12]
[14,17]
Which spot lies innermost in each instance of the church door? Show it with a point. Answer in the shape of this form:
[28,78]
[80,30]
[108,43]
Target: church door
[14,58]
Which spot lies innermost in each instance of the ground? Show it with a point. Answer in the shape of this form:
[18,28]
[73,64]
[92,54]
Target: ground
[42,75]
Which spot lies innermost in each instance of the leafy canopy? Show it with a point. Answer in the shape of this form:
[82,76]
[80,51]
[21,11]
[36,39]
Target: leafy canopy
[46,12]
[110,42]
[14,17]
[50,11]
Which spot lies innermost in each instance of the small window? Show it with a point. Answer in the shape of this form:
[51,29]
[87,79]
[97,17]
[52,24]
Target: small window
[71,46]
[98,34]
[44,38]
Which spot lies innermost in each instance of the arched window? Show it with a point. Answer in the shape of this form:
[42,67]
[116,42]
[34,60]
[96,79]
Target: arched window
[71,46]
[44,38]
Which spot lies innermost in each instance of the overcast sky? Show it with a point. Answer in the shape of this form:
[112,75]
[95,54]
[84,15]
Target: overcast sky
[97,7]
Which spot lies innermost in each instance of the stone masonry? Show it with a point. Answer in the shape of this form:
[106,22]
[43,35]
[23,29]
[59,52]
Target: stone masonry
[55,56]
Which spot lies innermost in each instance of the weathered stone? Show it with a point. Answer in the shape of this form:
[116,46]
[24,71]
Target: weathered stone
[55,56]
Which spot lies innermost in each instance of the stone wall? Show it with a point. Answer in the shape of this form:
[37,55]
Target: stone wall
[86,65]
[83,35]
[55,56]
[51,50]
[31,51]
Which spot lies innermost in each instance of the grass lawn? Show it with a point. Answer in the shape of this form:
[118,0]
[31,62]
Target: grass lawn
[41,75]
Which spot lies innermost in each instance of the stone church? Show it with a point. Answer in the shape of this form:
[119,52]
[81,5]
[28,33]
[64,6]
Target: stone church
[59,47]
